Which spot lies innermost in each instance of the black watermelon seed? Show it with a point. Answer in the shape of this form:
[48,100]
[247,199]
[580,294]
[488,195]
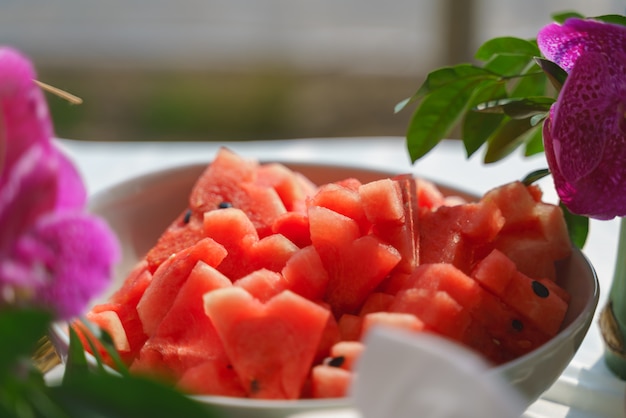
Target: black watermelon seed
[224,205]
[540,290]
[254,386]
[517,325]
[336,361]
[187,216]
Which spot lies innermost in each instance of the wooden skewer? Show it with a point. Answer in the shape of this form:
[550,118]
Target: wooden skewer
[61,93]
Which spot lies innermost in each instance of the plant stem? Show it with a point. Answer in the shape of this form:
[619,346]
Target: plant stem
[613,317]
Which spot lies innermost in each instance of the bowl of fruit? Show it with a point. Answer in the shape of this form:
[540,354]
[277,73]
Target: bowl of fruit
[251,285]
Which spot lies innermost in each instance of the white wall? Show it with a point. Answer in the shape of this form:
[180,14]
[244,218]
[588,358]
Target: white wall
[385,36]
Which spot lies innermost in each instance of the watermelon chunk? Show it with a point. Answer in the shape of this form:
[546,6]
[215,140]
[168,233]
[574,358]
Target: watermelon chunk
[405,321]
[343,200]
[457,234]
[534,234]
[211,377]
[342,250]
[305,274]
[294,226]
[246,253]
[185,337]
[504,325]
[271,346]
[330,382]
[345,354]
[265,286]
[231,179]
[169,277]
[531,298]
[292,187]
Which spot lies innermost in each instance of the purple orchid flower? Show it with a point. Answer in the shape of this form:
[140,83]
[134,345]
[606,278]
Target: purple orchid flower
[585,134]
[52,254]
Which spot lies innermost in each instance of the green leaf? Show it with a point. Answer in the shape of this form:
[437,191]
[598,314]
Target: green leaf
[538,118]
[577,226]
[438,113]
[534,83]
[511,66]
[98,337]
[443,77]
[615,19]
[20,329]
[506,45]
[535,176]
[76,365]
[555,74]
[534,144]
[477,127]
[561,17]
[506,139]
[110,396]
[518,108]
[401,105]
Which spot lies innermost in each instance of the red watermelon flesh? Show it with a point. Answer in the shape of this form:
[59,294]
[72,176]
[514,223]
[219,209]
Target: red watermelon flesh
[512,332]
[233,229]
[271,346]
[400,320]
[391,207]
[315,267]
[457,234]
[185,231]
[263,284]
[185,337]
[170,276]
[534,234]
[123,304]
[294,226]
[350,327]
[213,377]
[330,382]
[342,250]
[293,188]
[231,179]
[305,274]
[529,297]
[343,200]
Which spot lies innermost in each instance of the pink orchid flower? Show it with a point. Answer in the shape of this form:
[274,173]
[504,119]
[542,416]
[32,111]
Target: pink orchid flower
[585,134]
[52,254]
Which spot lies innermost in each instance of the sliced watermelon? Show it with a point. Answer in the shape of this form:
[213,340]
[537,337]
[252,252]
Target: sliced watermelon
[266,285]
[271,346]
[233,229]
[232,180]
[185,337]
[305,274]
[531,298]
[170,276]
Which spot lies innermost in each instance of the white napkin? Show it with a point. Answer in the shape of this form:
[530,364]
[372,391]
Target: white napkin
[402,374]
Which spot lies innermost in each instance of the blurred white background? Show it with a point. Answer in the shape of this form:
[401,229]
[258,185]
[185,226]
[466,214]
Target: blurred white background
[357,44]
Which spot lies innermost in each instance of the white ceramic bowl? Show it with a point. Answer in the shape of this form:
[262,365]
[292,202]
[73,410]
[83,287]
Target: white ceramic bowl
[139,209]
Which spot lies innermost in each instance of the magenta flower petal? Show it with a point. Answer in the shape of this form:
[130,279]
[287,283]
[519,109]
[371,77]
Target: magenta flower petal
[25,114]
[564,44]
[28,192]
[76,252]
[71,192]
[51,253]
[585,139]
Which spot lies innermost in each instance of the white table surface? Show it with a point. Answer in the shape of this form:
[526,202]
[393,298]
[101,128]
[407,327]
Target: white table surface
[585,390]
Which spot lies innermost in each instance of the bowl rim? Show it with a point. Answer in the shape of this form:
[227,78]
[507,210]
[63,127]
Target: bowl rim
[60,337]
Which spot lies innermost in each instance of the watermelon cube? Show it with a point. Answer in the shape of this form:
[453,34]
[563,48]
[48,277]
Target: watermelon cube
[271,345]
[170,276]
